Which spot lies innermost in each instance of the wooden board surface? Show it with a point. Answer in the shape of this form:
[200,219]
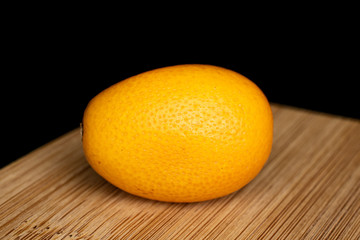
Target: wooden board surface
[309,189]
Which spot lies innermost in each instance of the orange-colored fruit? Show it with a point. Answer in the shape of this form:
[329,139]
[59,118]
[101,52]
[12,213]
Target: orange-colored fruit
[183,133]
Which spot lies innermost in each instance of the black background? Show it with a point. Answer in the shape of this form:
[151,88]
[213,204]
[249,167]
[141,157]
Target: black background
[48,81]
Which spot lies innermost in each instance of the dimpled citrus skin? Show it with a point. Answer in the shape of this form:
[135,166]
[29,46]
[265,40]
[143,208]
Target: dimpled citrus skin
[183,133]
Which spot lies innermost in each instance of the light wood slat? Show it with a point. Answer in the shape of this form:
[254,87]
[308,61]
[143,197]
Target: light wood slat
[308,189]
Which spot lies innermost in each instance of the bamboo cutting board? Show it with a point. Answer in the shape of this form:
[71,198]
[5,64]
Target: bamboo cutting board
[309,189]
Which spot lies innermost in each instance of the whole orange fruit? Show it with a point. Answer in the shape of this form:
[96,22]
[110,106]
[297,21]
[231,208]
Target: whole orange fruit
[183,133]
